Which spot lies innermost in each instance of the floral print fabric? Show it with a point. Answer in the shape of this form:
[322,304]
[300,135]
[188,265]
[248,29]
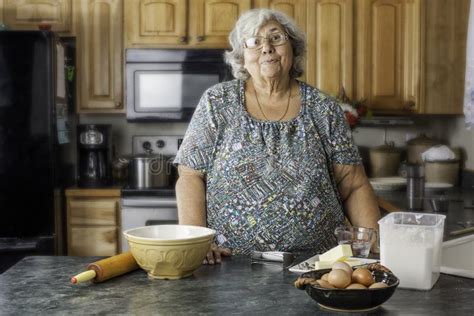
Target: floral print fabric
[269,183]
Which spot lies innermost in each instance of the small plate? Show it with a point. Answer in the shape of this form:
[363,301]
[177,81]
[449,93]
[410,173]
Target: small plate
[308,264]
[388,183]
[437,186]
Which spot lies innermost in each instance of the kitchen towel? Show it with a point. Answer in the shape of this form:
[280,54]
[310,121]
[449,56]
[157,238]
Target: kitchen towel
[469,79]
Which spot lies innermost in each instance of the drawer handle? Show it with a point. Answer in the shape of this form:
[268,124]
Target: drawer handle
[182,39]
[200,38]
[118,105]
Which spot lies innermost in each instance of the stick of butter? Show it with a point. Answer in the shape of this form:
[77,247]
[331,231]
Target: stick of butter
[338,253]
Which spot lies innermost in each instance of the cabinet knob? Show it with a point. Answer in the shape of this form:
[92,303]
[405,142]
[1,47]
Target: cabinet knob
[200,38]
[410,105]
[182,39]
[118,105]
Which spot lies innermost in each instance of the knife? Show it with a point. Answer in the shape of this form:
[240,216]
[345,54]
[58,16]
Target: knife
[273,257]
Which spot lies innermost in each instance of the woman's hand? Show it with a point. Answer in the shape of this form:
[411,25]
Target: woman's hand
[215,254]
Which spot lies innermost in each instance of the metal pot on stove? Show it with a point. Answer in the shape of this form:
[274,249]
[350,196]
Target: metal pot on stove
[149,171]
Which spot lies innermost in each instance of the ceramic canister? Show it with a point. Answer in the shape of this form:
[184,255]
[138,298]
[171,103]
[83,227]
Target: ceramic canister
[384,161]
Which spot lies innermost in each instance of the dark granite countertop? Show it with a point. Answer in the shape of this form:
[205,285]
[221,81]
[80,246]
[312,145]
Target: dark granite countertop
[461,207]
[40,285]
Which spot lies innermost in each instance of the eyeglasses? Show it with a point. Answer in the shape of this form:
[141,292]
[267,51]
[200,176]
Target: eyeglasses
[275,39]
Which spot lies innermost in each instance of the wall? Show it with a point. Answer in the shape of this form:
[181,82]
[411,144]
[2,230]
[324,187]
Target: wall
[449,130]
[122,131]
[459,135]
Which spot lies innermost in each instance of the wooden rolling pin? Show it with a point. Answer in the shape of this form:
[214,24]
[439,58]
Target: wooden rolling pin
[108,268]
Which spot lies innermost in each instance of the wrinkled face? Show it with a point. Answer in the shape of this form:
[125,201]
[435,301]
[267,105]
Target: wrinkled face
[269,54]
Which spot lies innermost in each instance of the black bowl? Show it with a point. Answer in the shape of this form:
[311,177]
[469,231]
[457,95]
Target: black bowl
[351,300]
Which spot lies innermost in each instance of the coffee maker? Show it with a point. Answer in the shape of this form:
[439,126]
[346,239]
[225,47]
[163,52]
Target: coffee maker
[94,153]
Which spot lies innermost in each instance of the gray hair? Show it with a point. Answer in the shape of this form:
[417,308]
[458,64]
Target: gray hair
[248,24]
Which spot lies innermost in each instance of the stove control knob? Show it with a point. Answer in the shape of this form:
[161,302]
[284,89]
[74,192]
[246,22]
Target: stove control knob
[160,143]
[146,145]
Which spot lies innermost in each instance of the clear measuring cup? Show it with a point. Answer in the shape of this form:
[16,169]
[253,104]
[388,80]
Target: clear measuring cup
[360,239]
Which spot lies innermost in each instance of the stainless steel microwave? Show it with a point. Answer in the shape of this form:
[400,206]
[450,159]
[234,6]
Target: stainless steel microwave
[166,85]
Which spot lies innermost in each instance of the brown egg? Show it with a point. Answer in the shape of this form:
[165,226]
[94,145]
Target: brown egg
[356,286]
[343,266]
[325,276]
[362,276]
[325,284]
[378,285]
[339,278]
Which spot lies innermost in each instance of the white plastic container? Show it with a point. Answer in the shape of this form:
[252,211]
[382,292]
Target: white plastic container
[410,246]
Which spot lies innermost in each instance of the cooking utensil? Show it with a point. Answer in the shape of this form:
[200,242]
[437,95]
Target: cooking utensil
[439,203]
[462,231]
[273,257]
[108,268]
[148,170]
[169,251]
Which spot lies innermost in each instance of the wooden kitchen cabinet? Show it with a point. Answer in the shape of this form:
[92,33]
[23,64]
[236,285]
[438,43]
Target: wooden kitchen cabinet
[93,222]
[181,23]
[330,31]
[28,14]
[389,54]
[99,56]
[411,55]
[293,8]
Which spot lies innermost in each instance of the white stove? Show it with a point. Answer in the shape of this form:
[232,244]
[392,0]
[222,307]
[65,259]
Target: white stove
[154,206]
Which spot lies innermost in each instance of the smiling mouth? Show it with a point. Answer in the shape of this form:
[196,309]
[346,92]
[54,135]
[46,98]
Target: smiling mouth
[271,61]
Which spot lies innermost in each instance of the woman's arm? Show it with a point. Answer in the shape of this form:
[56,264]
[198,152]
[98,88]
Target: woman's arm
[357,195]
[191,199]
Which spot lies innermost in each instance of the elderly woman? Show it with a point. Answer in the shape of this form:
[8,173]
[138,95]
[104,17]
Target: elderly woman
[269,161]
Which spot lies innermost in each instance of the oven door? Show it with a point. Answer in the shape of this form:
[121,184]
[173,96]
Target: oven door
[144,211]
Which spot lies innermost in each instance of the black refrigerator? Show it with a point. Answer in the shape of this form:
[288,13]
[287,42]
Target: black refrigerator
[32,106]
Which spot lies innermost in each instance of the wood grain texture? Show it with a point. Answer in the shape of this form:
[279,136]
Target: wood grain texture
[156,23]
[93,223]
[446,33]
[95,211]
[212,20]
[330,45]
[26,15]
[99,56]
[97,192]
[92,241]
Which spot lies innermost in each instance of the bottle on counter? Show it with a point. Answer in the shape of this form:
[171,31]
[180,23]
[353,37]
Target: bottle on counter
[415,186]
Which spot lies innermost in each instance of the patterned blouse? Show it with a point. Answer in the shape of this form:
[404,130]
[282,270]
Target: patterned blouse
[269,183]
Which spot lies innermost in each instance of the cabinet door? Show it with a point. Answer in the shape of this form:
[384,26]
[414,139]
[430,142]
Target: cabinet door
[93,226]
[296,9]
[99,51]
[445,57]
[93,241]
[330,46]
[93,211]
[27,14]
[389,54]
[157,22]
[212,20]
